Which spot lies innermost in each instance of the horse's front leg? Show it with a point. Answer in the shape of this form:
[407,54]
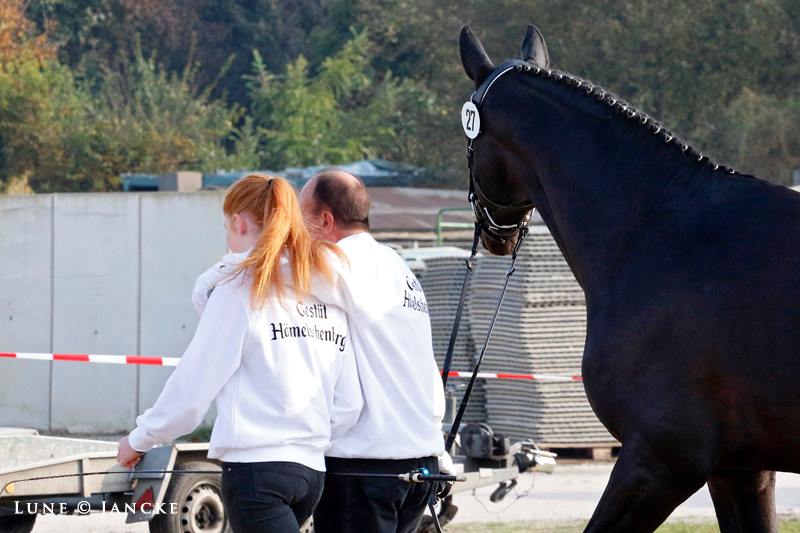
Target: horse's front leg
[642,491]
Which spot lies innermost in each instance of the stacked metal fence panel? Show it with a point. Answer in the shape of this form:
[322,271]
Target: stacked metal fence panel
[441,279]
[541,328]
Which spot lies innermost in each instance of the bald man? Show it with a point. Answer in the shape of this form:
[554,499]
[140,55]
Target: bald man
[400,427]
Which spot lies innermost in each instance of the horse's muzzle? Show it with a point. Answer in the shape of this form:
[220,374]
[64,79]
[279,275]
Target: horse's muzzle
[499,247]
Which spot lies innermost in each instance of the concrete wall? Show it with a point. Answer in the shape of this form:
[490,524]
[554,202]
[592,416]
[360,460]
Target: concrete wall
[98,273]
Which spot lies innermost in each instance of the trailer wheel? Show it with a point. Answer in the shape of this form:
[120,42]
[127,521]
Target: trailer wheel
[17,523]
[199,501]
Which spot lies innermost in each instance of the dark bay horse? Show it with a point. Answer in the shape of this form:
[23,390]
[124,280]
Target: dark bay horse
[692,279]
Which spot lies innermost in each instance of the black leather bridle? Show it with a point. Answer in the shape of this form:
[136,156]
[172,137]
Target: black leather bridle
[485,210]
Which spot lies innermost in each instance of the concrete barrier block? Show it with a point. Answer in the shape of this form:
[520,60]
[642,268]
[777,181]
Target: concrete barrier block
[25,296]
[182,236]
[95,309]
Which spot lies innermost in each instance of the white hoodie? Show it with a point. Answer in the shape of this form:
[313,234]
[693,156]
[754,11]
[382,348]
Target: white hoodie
[391,333]
[283,376]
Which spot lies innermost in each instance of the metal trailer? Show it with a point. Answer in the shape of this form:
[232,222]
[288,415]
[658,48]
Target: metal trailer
[26,454]
[172,503]
[486,459]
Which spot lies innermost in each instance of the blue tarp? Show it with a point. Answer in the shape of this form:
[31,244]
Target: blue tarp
[139,182]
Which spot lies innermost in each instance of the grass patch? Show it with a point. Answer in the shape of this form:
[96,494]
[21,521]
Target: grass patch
[518,527]
[786,525]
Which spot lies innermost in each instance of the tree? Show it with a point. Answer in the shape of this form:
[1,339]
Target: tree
[345,111]
[60,133]
[18,38]
[692,64]
[761,134]
[685,63]
[24,60]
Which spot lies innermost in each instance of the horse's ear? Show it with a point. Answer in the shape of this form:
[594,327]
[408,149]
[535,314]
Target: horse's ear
[476,62]
[534,48]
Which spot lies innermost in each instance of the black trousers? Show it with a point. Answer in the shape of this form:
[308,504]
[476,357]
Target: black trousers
[359,505]
[270,496]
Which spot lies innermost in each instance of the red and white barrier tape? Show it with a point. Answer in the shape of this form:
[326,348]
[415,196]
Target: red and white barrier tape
[173,361]
[522,377]
[96,358]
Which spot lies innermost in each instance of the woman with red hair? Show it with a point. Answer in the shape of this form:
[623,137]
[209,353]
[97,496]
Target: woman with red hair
[276,359]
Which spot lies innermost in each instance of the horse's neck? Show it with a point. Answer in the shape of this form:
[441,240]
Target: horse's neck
[597,204]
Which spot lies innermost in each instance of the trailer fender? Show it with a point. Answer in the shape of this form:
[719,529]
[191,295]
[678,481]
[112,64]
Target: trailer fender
[149,489]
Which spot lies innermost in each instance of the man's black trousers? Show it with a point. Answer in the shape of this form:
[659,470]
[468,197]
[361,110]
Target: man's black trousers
[360,504]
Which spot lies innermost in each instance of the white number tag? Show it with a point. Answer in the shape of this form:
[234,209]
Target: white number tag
[470,120]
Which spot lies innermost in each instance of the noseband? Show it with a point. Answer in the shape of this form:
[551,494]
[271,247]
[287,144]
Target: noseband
[486,211]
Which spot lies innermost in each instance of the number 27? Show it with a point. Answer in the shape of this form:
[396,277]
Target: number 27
[470,119]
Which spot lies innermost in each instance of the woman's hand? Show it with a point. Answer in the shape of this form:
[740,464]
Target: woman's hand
[127,456]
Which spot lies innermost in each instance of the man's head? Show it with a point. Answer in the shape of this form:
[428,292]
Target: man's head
[335,204]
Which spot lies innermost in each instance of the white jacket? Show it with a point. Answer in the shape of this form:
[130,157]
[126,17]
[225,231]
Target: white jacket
[391,334]
[283,376]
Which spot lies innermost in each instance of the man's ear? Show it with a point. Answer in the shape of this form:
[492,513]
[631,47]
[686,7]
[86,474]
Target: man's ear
[328,222]
[474,58]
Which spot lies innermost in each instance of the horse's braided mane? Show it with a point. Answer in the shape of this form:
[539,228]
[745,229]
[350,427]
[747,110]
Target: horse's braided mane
[626,110]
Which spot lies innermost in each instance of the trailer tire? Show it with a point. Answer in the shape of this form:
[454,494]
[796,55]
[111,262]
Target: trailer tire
[199,500]
[17,523]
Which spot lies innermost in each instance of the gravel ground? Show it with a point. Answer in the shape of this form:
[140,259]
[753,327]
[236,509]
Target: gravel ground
[567,495]
[572,492]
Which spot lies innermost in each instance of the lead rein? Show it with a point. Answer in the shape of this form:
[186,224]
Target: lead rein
[451,436]
[448,358]
[415,476]
[102,473]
